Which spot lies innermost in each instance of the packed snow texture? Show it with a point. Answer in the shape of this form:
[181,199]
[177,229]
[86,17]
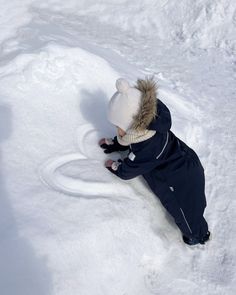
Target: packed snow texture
[67,225]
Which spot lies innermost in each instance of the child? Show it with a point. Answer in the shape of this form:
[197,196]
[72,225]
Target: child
[172,169]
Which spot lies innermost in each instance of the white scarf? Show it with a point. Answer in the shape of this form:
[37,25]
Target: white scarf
[134,136]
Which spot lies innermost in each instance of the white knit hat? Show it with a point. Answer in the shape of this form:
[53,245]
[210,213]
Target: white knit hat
[124,104]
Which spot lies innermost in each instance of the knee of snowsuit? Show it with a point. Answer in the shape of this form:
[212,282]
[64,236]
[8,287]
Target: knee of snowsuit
[181,191]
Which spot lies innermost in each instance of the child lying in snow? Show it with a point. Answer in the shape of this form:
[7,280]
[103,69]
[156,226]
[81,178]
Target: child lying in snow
[172,169]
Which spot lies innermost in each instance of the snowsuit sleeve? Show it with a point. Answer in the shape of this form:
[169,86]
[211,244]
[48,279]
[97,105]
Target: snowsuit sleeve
[119,147]
[129,169]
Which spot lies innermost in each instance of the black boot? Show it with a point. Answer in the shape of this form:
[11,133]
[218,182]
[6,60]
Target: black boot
[195,241]
[205,238]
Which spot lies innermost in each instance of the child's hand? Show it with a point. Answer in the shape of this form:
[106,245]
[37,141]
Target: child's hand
[108,163]
[107,144]
[102,141]
[113,165]
[110,145]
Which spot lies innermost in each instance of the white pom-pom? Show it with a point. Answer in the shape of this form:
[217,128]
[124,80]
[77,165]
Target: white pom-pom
[122,85]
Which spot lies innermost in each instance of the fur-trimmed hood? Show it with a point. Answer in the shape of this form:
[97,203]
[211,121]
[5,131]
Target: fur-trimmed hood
[148,106]
[153,114]
[137,108]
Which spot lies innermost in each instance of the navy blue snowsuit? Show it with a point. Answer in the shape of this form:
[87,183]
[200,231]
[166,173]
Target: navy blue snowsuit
[174,173]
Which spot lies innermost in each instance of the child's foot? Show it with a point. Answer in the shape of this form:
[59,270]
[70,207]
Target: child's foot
[195,241]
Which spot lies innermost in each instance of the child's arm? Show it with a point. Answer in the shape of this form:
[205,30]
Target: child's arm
[111,145]
[128,169]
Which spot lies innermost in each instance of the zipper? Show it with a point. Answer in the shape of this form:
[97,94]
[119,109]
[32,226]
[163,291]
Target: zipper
[162,151]
[186,220]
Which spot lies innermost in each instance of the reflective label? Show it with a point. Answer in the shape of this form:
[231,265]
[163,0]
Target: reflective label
[131,156]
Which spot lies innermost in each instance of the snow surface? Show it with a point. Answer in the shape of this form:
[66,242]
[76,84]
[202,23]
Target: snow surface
[68,226]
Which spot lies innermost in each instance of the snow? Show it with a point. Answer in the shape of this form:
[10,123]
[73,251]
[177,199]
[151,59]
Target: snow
[67,225]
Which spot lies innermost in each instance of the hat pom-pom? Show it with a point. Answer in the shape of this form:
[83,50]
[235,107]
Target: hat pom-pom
[122,85]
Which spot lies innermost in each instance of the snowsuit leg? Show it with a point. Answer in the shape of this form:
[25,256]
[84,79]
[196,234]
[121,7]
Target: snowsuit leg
[169,201]
[181,192]
[189,190]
